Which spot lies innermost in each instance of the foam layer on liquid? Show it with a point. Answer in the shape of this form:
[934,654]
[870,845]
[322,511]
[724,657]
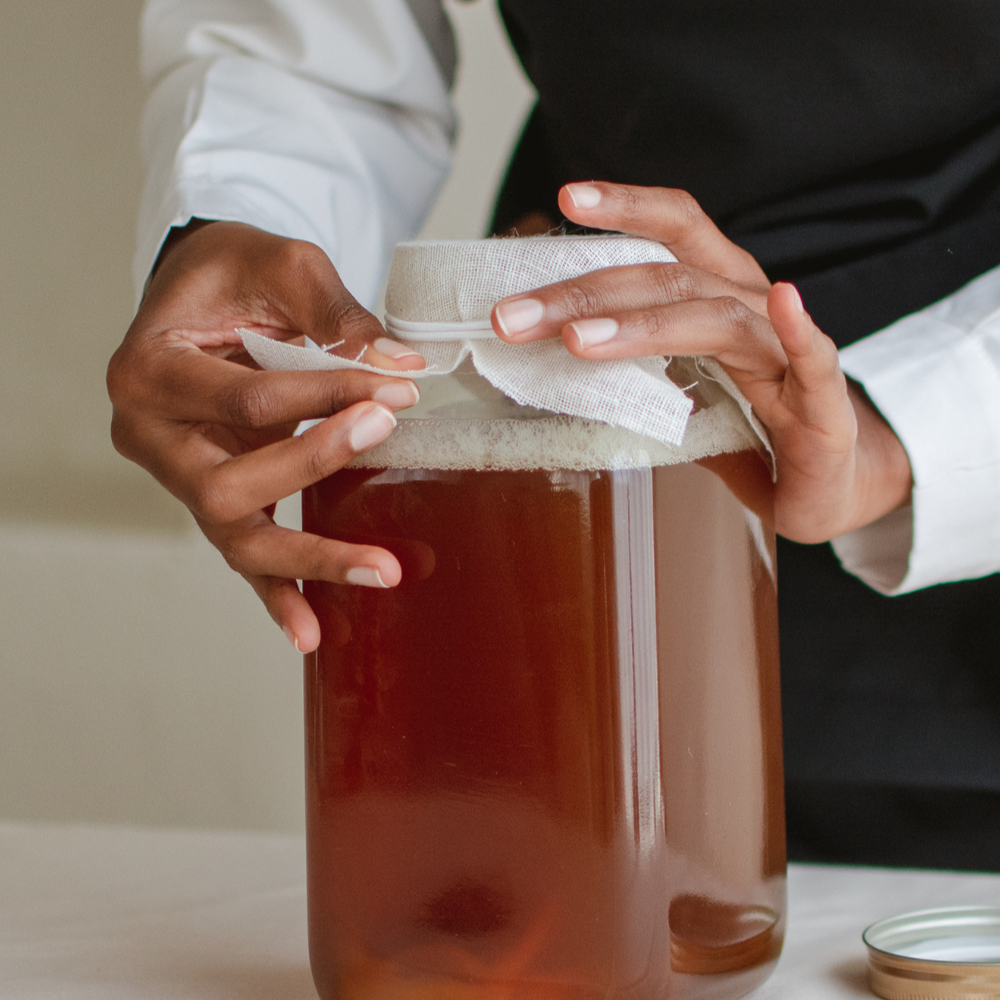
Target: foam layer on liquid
[554,443]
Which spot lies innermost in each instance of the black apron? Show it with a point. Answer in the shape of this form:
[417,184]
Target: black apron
[854,148]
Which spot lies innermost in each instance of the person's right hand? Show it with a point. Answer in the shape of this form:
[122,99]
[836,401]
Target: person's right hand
[193,409]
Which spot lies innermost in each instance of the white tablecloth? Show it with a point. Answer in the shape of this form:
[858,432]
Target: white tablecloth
[90,913]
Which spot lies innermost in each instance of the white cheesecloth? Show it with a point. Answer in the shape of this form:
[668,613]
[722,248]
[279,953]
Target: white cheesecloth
[439,298]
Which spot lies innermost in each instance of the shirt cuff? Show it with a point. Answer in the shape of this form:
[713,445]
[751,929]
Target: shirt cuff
[935,377]
[879,553]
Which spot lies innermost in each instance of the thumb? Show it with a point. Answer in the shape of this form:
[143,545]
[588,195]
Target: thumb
[812,356]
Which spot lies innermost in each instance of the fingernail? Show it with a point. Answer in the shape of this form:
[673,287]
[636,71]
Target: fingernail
[374,425]
[394,349]
[398,395]
[519,316]
[366,576]
[291,637]
[797,300]
[594,331]
[584,195]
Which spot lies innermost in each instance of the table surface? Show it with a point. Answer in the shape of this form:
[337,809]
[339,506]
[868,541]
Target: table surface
[106,913]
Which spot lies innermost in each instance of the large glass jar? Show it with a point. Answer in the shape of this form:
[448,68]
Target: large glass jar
[548,763]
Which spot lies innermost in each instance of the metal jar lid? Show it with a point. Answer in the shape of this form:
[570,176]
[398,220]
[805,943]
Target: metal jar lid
[949,953]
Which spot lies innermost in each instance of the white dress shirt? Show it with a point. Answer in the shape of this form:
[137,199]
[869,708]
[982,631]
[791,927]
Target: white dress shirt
[935,376]
[330,121]
[322,120]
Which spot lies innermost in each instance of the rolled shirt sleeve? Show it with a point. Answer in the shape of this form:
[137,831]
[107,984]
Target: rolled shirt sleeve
[322,120]
[935,377]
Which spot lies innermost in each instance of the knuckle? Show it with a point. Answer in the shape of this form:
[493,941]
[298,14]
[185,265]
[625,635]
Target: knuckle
[123,385]
[350,320]
[736,316]
[115,378]
[689,212]
[121,436]
[580,299]
[317,462]
[653,324]
[249,404]
[304,258]
[632,201]
[210,501]
[675,282]
[324,562]
[234,552]
[341,392]
[637,206]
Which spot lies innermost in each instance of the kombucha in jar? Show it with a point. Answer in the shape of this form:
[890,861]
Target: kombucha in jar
[547,765]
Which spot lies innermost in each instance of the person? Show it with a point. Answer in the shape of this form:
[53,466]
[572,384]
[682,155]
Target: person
[291,143]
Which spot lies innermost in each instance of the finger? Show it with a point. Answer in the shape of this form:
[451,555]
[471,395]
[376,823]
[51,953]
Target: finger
[355,334]
[667,215]
[292,611]
[725,328]
[613,290]
[289,609]
[814,363]
[384,352]
[220,489]
[257,547]
[403,356]
[261,543]
[184,384]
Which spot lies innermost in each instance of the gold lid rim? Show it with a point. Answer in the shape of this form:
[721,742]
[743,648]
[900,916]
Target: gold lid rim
[895,976]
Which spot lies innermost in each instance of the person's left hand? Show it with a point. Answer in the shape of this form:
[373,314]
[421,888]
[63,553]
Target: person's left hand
[839,464]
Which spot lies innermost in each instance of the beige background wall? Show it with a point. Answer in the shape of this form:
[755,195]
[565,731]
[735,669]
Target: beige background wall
[140,681]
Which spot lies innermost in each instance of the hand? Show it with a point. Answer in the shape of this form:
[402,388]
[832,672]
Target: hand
[839,464]
[193,409]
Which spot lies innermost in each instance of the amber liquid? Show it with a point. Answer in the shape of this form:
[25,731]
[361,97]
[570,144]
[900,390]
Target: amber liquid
[548,763]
